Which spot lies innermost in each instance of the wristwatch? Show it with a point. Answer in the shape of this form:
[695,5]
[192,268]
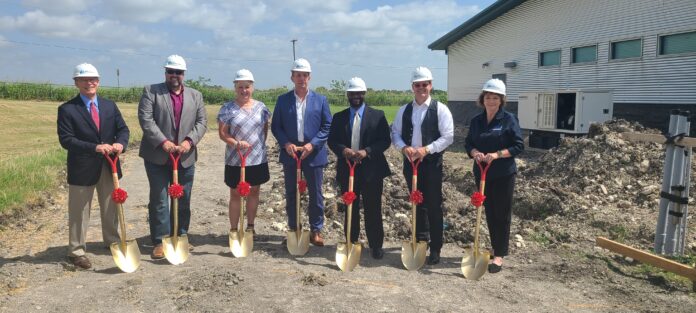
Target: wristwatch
[500,153]
[427,151]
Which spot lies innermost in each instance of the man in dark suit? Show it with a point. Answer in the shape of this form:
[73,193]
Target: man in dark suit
[90,126]
[362,134]
[301,122]
[173,119]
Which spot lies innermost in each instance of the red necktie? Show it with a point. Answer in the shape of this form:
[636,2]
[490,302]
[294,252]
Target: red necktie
[95,114]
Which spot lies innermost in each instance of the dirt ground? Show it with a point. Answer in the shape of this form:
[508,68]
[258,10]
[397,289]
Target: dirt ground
[554,265]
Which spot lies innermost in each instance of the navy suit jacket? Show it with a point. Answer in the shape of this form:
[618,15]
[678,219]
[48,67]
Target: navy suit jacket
[317,122]
[374,139]
[78,134]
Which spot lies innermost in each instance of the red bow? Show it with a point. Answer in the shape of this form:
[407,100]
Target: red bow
[348,197]
[243,188]
[119,195]
[176,191]
[302,185]
[477,199]
[416,197]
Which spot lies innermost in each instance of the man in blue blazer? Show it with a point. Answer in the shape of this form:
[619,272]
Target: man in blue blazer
[90,126]
[301,123]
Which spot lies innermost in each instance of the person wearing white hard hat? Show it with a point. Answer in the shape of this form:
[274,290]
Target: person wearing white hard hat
[422,130]
[90,126]
[361,134]
[300,123]
[173,120]
[243,126]
[495,136]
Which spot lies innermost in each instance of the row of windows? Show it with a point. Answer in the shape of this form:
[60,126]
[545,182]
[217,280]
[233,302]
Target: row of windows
[627,49]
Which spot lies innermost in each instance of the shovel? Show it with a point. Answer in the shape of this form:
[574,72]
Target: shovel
[176,248]
[126,253]
[348,253]
[242,242]
[298,240]
[475,262]
[413,252]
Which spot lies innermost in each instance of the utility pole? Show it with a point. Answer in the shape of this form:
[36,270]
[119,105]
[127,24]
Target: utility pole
[293,49]
[118,79]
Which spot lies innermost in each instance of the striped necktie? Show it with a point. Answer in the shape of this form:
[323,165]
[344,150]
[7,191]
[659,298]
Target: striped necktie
[95,113]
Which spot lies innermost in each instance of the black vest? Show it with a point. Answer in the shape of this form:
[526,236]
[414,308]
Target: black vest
[429,128]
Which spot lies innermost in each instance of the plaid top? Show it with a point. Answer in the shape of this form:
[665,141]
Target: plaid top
[247,126]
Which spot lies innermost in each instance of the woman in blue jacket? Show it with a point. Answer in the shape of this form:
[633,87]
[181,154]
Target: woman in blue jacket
[495,136]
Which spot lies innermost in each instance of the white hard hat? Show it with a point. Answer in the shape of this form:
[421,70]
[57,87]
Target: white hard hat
[420,74]
[85,70]
[175,62]
[356,84]
[495,86]
[243,74]
[301,65]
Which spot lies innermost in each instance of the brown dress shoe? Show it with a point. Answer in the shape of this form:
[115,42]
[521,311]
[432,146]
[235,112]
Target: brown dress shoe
[157,252]
[80,261]
[315,239]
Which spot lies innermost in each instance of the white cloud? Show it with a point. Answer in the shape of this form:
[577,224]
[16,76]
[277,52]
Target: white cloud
[314,6]
[149,11]
[78,27]
[59,6]
[4,43]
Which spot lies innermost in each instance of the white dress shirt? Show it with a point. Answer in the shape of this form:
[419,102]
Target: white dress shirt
[445,126]
[300,105]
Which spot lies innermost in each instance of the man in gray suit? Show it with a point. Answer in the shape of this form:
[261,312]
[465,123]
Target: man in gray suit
[173,120]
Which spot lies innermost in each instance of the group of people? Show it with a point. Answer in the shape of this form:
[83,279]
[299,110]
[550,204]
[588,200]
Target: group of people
[173,119]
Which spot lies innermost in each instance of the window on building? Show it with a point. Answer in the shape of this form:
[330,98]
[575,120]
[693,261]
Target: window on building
[626,49]
[584,54]
[550,58]
[678,43]
[502,77]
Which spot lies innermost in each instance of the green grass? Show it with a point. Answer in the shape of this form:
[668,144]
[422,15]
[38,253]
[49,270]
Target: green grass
[24,177]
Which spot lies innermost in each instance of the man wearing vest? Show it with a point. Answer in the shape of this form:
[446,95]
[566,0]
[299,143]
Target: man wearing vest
[423,129]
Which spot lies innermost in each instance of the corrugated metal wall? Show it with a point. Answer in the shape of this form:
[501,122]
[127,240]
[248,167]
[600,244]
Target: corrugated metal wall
[542,25]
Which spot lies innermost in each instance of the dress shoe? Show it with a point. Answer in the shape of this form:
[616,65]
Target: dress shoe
[494,268]
[80,261]
[157,252]
[377,253]
[315,239]
[434,258]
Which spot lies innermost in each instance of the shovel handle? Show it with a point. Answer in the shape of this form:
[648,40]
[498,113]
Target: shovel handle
[243,155]
[112,161]
[414,165]
[483,166]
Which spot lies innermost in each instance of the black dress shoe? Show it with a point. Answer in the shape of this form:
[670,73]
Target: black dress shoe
[434,258]
[377,253]
[494,268]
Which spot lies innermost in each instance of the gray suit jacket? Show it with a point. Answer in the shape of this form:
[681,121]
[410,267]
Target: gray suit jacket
[156,116]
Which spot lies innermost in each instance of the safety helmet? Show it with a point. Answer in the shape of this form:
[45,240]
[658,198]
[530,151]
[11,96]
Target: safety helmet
[85,70]
[175,62]
[495,86]
[356,84]
[243,74]
[301,65]
[420,74]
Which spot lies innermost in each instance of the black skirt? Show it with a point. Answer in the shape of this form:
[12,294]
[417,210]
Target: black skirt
[255,175]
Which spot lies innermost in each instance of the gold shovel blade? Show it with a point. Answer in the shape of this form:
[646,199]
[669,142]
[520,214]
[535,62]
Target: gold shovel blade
[413,259]
[475,264]
[347,259]
[241,243]
[298,242]
[128,259]
[176,249]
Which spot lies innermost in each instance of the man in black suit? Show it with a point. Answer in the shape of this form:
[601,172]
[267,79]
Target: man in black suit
[361,134]
[89,127]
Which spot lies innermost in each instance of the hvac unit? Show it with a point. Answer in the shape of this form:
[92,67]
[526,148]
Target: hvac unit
[553,114]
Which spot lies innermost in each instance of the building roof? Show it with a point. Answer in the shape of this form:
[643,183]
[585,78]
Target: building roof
[490,13]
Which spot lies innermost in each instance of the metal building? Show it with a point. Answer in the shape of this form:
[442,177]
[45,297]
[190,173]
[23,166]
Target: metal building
[643,51]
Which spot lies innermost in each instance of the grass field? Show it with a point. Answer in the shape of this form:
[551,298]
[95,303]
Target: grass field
[32,160]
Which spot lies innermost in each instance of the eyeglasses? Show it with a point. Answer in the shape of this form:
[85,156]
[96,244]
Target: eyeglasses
[175,72]
[91,80]
[421,85]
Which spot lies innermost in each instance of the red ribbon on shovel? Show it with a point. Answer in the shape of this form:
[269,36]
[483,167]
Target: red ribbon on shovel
[478,197]
[416,195]
[118,195]
[349,196]
[175,190]
[243,188]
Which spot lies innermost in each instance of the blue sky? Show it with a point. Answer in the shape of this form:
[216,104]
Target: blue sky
[42,40]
